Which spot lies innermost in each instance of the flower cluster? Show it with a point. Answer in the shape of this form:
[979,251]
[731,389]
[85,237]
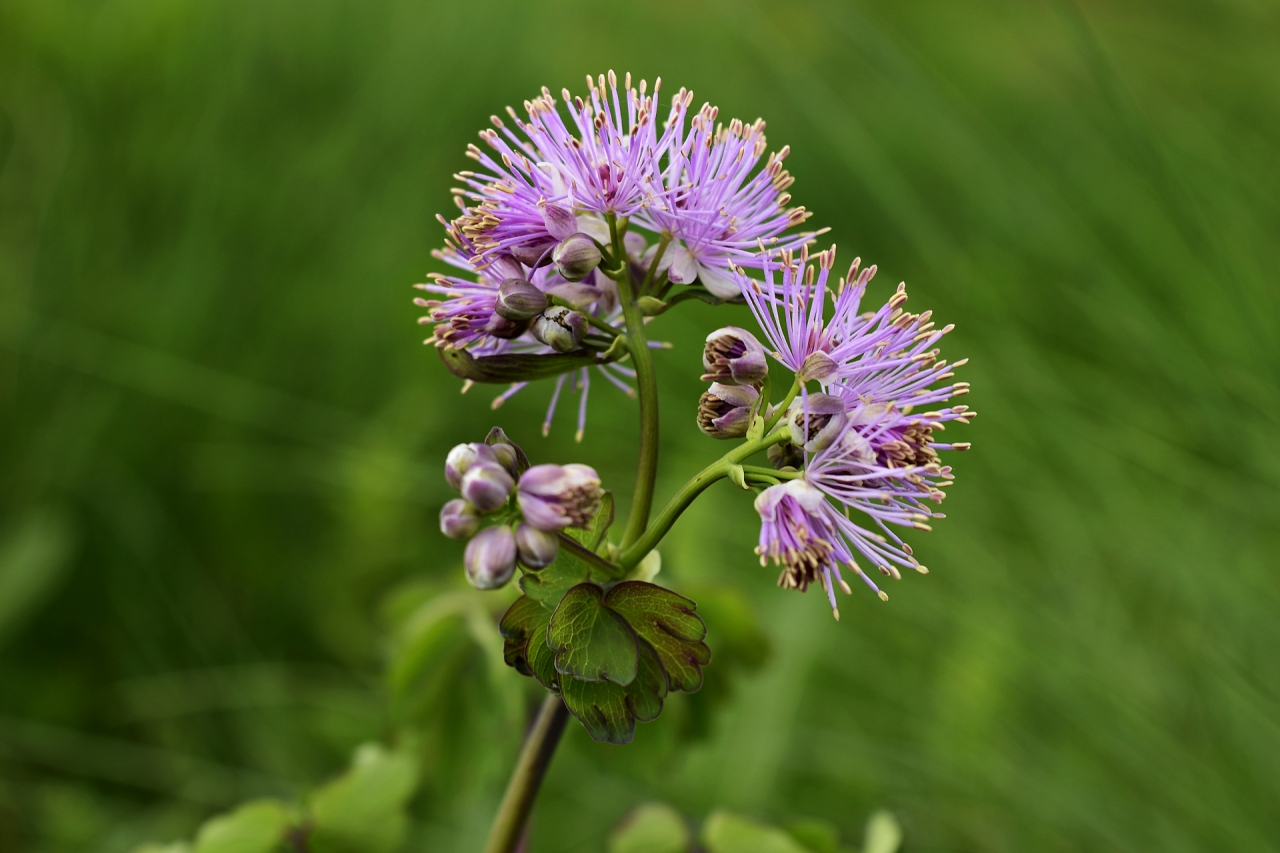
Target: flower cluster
[688,198]
[862,444]
[530,505]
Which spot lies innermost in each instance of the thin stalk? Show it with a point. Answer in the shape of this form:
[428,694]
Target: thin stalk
[647,386]
[663,242]
[535,757]
[689,491]
[781,411]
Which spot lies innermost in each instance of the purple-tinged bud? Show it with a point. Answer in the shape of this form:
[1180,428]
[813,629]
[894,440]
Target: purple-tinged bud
[504,267]
[461,458]
[560,328]
[785,455]
[535,255]
[576,257]
[487,485]
[817,365]
[490,557]
[560,221]
[519,300]
[733,356]
[552,497]
[459,519]
[537,548]
[815,422]
[725,410]
[500,327]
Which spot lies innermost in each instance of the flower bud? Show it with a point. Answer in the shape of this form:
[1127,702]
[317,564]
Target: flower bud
[519,299]
[576,257]
[560,221]
[500,327]
[817,365]
[560,328]
[461,458]
[555,496]
[459,519]
[733,356]
[507,452]
[815,422]
[725,410]
[534,255]
[487,485]
[537,548]
[785,456]
[490,558]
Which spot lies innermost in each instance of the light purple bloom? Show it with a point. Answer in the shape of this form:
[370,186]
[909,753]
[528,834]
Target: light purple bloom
[552,497]
[490,557]
[798,530]
[719,209]
[724,411]
[487,485]
[733,356]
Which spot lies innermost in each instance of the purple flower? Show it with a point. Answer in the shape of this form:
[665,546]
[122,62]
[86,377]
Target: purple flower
[718,211]
[733,356]
[552,497]
[798,530]
[487,485]
[724,411]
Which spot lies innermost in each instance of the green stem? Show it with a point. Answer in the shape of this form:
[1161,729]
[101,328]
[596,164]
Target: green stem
[663,242]
[780,412]
[535,757]
[647,385]
[689,491]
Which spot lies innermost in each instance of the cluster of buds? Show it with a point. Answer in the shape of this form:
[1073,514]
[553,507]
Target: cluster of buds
[734,362]
[529,505]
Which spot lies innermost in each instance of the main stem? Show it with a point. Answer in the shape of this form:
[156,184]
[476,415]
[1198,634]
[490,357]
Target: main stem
[535,757]
[647,385]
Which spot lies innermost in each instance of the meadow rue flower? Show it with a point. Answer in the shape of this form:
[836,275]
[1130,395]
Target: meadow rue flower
[715,204]
[552,497]
[490,557]
[733,356]
[724,411]
[459,519]
[816,420]
[537,548]
[798,530]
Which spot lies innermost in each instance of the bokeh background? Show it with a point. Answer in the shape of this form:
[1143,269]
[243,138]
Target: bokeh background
[221,437]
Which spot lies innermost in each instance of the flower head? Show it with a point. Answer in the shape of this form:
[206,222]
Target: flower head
[716,205]
[553,497]
[798,530]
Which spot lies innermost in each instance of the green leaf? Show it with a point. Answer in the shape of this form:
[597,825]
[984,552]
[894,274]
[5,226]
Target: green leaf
[256,827]
[729,833]
[651,828]
[591,642]
[503,369]
[524,634]
[816,836]
[609,711]
[593,535]
[668,623]
[884,833]
[363,811]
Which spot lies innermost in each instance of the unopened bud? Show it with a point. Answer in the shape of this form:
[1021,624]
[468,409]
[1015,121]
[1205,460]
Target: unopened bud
[520,300]
[461,458]
[552,497]
[535,254]
[784,455]
[817,365]
[490,558]
[459,519]
[537,548]
[500,327]
[724,411]
[733,356]
[487,485]
[560,328]
[576,257]
[816,421]
[507,452]
[560,221]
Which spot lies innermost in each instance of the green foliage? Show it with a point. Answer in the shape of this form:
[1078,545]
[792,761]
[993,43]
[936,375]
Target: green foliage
[651,828]
[591,640]
[363,811]
[725,832]
[610,711]
[667,622]
[256,827]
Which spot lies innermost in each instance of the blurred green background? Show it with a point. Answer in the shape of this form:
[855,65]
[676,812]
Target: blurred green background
[221,437]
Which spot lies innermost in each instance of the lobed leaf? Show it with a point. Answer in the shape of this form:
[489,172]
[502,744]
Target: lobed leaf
[524,641]
[609,711]
[651,828]
[667,622]
[256,827]
[591,641]
[363,811]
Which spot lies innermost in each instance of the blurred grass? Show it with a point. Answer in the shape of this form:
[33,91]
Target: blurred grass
[221,438]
